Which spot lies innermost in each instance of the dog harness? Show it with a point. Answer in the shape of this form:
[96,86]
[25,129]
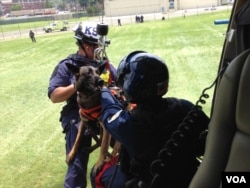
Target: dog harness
[98,178]
[91,113]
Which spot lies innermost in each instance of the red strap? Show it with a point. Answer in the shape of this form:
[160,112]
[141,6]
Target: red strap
[98,178]
[91,113]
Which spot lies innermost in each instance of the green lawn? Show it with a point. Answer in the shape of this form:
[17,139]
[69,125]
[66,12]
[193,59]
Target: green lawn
[31,140]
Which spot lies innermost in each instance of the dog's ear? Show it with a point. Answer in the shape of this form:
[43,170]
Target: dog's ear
[74,69]
[101,68]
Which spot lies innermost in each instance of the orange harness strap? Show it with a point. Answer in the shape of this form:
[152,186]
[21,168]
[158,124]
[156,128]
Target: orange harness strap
[92,113]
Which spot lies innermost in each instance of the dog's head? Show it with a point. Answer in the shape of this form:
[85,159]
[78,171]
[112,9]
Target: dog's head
[88,79]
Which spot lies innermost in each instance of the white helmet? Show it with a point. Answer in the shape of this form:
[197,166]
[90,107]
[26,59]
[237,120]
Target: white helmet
[86,32]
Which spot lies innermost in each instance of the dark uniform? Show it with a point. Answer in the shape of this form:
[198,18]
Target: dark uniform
[32,36]
[145,130]
[62,76]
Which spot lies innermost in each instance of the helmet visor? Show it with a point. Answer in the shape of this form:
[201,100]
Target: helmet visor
[126,65]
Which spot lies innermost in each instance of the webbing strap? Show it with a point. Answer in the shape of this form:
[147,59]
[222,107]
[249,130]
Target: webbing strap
[91,113]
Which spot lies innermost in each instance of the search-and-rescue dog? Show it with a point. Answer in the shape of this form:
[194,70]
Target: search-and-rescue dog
[88,85]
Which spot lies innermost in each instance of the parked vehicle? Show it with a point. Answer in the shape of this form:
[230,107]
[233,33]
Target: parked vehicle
[56,26]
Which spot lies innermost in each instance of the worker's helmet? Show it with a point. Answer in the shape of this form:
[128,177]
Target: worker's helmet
[142,76]
[86,32]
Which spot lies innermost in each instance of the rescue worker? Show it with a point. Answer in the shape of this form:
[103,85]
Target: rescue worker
[145,130]
[32,36]
[61,89]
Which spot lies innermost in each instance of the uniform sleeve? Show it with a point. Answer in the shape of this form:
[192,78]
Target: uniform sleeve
[114,117]
[61,76]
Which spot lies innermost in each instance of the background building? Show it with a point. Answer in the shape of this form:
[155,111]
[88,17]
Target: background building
[24,4]
[114,7]
[134,7]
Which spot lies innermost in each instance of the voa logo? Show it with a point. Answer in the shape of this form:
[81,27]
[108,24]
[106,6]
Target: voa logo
[236,179]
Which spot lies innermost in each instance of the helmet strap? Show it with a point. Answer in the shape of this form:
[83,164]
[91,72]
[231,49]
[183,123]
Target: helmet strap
[80,43]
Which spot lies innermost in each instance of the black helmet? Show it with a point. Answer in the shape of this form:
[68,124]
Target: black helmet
[142,76]
[86,32]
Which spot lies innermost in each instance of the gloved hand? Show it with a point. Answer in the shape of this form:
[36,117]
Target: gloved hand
[118,94]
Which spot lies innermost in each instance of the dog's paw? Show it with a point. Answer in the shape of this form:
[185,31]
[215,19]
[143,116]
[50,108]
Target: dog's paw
[98,167]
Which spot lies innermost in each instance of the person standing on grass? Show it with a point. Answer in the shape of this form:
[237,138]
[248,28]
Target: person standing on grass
[119,22]
[61,89]
[142,18]
[144,130]
[32,36]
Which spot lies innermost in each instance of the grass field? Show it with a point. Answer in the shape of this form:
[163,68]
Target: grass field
[31,140]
